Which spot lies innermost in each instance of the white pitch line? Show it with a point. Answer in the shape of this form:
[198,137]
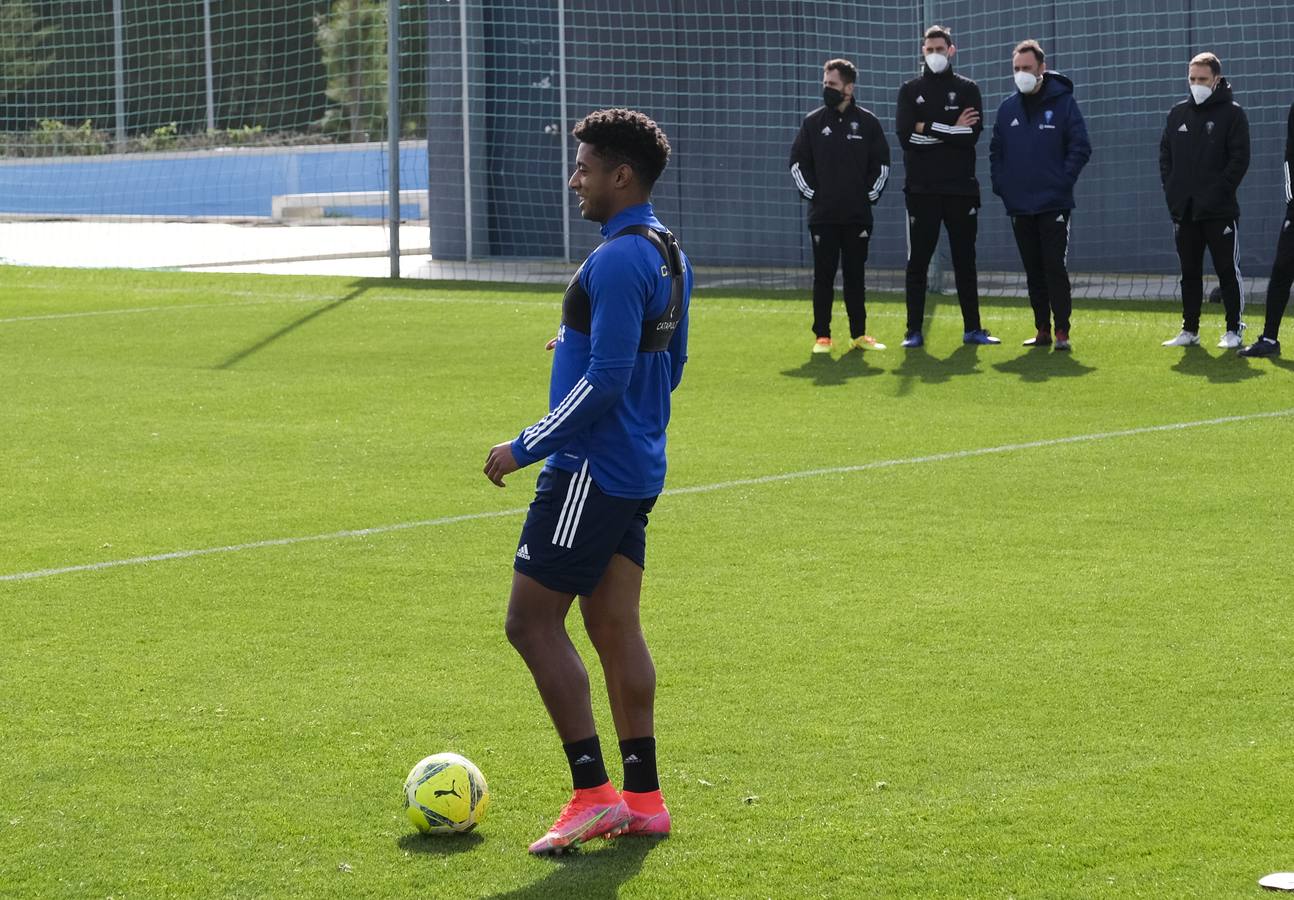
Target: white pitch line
[255,545]
[706,307]
[696,489]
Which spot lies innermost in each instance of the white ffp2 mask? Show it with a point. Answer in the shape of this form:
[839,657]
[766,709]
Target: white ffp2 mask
[937,62]
[1025,82]
[1200,93]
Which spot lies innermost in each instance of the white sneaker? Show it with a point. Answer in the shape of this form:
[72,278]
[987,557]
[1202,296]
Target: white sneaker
[1185,339]
[1230,341]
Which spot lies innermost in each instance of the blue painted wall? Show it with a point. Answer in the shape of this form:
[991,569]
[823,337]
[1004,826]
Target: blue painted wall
[205,183]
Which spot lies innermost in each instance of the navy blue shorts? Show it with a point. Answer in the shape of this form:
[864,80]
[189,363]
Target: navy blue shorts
[573,530]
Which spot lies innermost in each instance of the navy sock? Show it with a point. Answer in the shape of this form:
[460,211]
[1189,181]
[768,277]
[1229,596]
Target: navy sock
[639,756]
[585,758]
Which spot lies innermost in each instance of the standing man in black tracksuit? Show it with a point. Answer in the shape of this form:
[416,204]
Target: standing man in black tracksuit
[1278,289]
[1203,156]
[940,117]
[840,162]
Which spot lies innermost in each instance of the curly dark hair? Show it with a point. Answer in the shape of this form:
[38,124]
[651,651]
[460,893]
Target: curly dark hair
[626,137]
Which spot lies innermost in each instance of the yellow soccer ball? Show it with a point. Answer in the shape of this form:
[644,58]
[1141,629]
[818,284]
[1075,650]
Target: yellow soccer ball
[445,793]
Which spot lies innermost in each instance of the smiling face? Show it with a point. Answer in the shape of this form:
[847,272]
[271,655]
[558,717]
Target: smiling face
[597,183]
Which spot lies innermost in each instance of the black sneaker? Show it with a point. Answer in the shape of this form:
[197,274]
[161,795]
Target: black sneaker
[1264,346]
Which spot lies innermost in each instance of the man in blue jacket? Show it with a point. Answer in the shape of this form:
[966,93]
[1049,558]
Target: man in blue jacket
[617,356]
[1039,147]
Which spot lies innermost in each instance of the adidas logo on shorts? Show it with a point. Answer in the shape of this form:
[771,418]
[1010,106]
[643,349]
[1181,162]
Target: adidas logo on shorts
[524,552]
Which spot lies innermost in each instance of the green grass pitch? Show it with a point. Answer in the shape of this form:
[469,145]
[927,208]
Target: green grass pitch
[890,664]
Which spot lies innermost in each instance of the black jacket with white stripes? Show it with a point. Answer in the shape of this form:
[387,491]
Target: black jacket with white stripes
[1203,156]
[840,163]
[940,159]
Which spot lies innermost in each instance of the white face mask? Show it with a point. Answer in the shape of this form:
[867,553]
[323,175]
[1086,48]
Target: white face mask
[937,62]
[1201,92]
[1025,82]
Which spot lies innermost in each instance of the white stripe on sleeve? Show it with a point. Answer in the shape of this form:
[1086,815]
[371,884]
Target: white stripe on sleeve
[577,396]
[570,396]
[880,184]
[801,183]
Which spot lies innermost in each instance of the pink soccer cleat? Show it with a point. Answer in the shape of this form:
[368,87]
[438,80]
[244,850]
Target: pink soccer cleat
[648,814]
[587,815]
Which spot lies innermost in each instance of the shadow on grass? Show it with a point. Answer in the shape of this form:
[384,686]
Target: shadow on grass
[1278,362]
[439,844]
[1042,364]
[1225,368]
[919,367]
[826,371]
[356,291]
[595,875]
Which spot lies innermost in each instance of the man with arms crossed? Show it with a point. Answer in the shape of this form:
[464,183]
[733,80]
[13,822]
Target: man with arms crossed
[938,121]
[1278,289]
[1203,155]
[617,356]
[1039,146]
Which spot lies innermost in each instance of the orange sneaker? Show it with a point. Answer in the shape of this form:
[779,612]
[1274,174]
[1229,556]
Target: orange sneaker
[590,813]
[648,814]
[822,345]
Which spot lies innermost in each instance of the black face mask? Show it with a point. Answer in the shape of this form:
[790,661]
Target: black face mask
[832,97]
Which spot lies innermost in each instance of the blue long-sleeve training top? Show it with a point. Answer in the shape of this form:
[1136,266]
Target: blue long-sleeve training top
[608,402]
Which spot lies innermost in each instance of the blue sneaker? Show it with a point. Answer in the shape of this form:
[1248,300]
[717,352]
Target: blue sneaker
[979,337]
[913,339]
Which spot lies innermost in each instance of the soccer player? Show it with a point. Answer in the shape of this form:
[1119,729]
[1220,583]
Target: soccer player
[840,162]
[1278,288]
[1203,155]
[618,354]
[939,120]
[1039,146]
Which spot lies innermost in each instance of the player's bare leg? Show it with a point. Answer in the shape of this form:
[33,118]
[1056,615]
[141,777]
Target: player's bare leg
[536,626]
[612,619]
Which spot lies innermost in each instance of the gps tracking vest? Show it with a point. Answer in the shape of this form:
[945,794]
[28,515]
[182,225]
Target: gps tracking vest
[657,333]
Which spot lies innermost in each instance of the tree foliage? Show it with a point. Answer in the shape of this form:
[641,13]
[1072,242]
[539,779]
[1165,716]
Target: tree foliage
[23,41]
[300,66]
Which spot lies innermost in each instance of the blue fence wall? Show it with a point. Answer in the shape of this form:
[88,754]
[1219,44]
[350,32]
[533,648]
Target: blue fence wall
[205,183]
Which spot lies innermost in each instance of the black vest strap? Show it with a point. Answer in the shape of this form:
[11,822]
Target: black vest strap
[656,333]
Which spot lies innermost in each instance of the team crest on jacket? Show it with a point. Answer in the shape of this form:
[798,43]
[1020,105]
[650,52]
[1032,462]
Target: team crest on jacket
[1208,126]
[1049,115]
[853,126]
[952,96]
